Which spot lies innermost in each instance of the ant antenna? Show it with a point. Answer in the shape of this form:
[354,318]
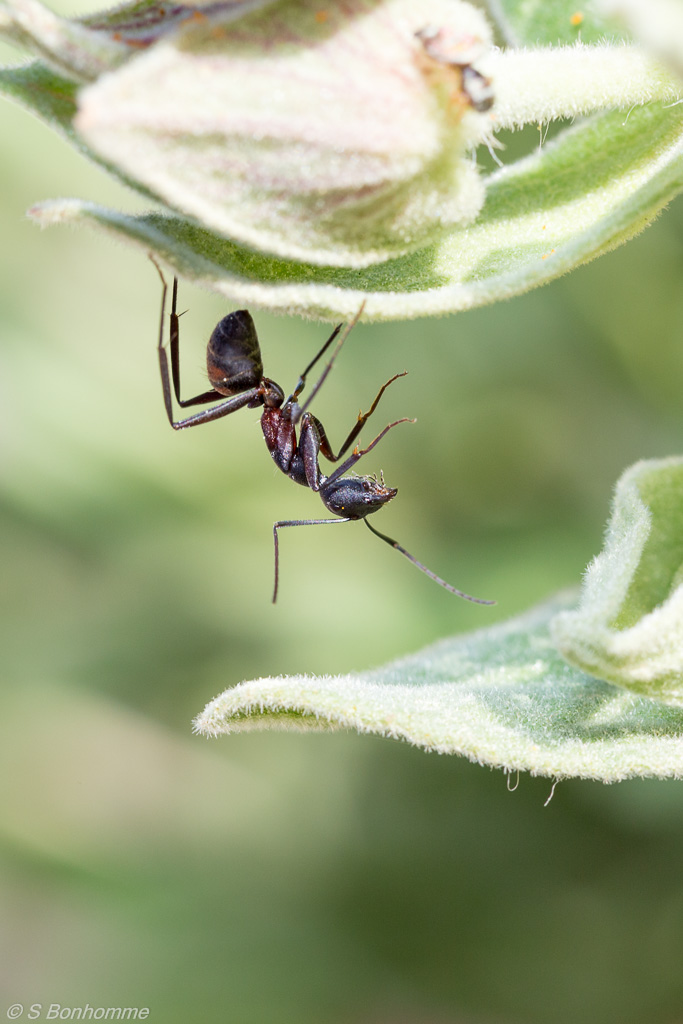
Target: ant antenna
[344,335]
[428,572]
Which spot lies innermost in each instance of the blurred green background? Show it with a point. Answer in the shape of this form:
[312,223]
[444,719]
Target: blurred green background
[285,878]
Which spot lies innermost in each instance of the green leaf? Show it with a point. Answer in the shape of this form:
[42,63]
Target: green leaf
[50,96]
[502,696]
[552,22]
[628,628]
[540,220]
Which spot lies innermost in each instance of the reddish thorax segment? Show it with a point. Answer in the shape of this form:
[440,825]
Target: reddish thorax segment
[280,437]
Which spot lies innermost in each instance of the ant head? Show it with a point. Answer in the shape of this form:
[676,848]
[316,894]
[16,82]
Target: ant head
[233,355]
[355,497]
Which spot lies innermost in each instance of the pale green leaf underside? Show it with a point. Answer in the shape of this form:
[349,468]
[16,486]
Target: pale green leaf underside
[501,696]
[541,218]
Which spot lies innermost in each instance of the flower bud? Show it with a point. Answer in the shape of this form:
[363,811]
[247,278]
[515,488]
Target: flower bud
[338,135]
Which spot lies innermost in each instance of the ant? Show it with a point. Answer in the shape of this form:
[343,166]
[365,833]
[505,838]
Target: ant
[235,370]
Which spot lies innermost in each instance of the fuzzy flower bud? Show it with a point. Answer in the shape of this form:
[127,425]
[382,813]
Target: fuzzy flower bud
[338,135]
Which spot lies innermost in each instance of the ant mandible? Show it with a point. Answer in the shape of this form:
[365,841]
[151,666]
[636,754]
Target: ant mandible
[235,370]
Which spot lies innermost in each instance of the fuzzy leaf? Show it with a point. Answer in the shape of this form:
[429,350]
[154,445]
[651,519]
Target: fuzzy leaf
[501,696]
[50,96]
[628,628]
[539,220]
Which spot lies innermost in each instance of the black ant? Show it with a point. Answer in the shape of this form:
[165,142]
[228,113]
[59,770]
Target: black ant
[235,371]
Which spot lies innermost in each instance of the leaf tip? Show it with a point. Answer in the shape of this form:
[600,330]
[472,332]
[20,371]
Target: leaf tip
[54,211]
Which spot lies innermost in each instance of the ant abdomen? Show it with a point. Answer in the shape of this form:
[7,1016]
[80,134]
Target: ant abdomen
[233,355]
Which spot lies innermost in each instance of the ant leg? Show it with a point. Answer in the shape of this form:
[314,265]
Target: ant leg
[205,397]
[218,411]
[363,417]
[225,408]
[358,453]
[309,450]
[428,572]
[323,376]
[295,522]
[163,362]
